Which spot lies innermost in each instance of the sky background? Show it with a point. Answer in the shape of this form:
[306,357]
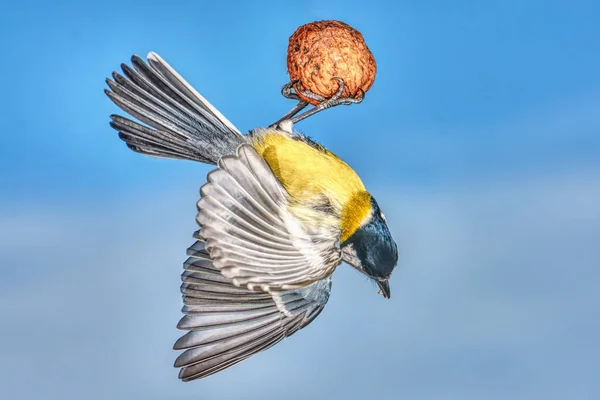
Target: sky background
[480,139]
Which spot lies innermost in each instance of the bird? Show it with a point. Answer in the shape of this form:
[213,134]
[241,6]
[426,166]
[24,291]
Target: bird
[276,216]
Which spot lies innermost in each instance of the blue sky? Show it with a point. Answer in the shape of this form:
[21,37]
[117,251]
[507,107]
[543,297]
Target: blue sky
[480,138]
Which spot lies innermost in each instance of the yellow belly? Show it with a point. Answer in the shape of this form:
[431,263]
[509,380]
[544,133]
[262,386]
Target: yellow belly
[312,175]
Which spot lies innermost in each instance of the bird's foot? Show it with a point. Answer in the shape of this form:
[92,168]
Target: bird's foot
[323,104]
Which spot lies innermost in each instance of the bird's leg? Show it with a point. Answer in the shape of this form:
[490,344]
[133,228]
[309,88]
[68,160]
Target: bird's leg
[333,101]
[297,108]
[323,104]
[286,91]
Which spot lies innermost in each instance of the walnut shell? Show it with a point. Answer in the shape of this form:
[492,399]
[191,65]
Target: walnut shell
[322,50]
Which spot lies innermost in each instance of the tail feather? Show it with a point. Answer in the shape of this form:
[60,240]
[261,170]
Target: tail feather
[181,123]
[182,86]
[157,143]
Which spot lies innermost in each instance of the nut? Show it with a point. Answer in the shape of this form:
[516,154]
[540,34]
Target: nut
[323,50]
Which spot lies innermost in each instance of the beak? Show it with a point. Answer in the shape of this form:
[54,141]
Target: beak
[349,257]
[384,287]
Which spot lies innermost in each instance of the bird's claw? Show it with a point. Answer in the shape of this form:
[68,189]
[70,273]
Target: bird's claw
[309,95]
[323,104]
[286,91]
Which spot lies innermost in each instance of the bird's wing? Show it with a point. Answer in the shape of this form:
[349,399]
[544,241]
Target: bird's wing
[250,233]
[183,124]
[227,324]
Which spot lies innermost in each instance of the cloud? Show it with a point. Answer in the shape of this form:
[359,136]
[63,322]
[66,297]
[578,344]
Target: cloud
[494,298]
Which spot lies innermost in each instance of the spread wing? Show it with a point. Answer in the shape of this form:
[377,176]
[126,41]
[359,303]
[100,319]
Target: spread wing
[227,324]
[250,234]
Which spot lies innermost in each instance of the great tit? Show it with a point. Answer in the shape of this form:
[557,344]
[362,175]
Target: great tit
[277,215]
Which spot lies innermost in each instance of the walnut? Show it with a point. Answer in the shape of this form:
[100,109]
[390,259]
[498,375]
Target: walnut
[323,50]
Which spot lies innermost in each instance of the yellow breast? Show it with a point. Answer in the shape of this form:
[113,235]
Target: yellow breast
[312,175]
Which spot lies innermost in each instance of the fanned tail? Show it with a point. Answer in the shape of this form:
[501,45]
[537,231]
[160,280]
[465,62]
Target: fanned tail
[181,123]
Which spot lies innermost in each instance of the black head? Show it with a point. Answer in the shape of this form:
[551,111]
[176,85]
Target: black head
[372,250]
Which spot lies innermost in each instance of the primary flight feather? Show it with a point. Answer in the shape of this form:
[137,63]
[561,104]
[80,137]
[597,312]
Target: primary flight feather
[277,216]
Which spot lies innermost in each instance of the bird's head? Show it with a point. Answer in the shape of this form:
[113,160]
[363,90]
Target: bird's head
[366,242]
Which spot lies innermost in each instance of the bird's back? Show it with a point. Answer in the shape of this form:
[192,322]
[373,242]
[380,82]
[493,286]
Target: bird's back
[314,176]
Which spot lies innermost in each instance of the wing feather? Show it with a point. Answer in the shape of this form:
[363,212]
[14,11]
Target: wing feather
[251,236]
[227,324]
